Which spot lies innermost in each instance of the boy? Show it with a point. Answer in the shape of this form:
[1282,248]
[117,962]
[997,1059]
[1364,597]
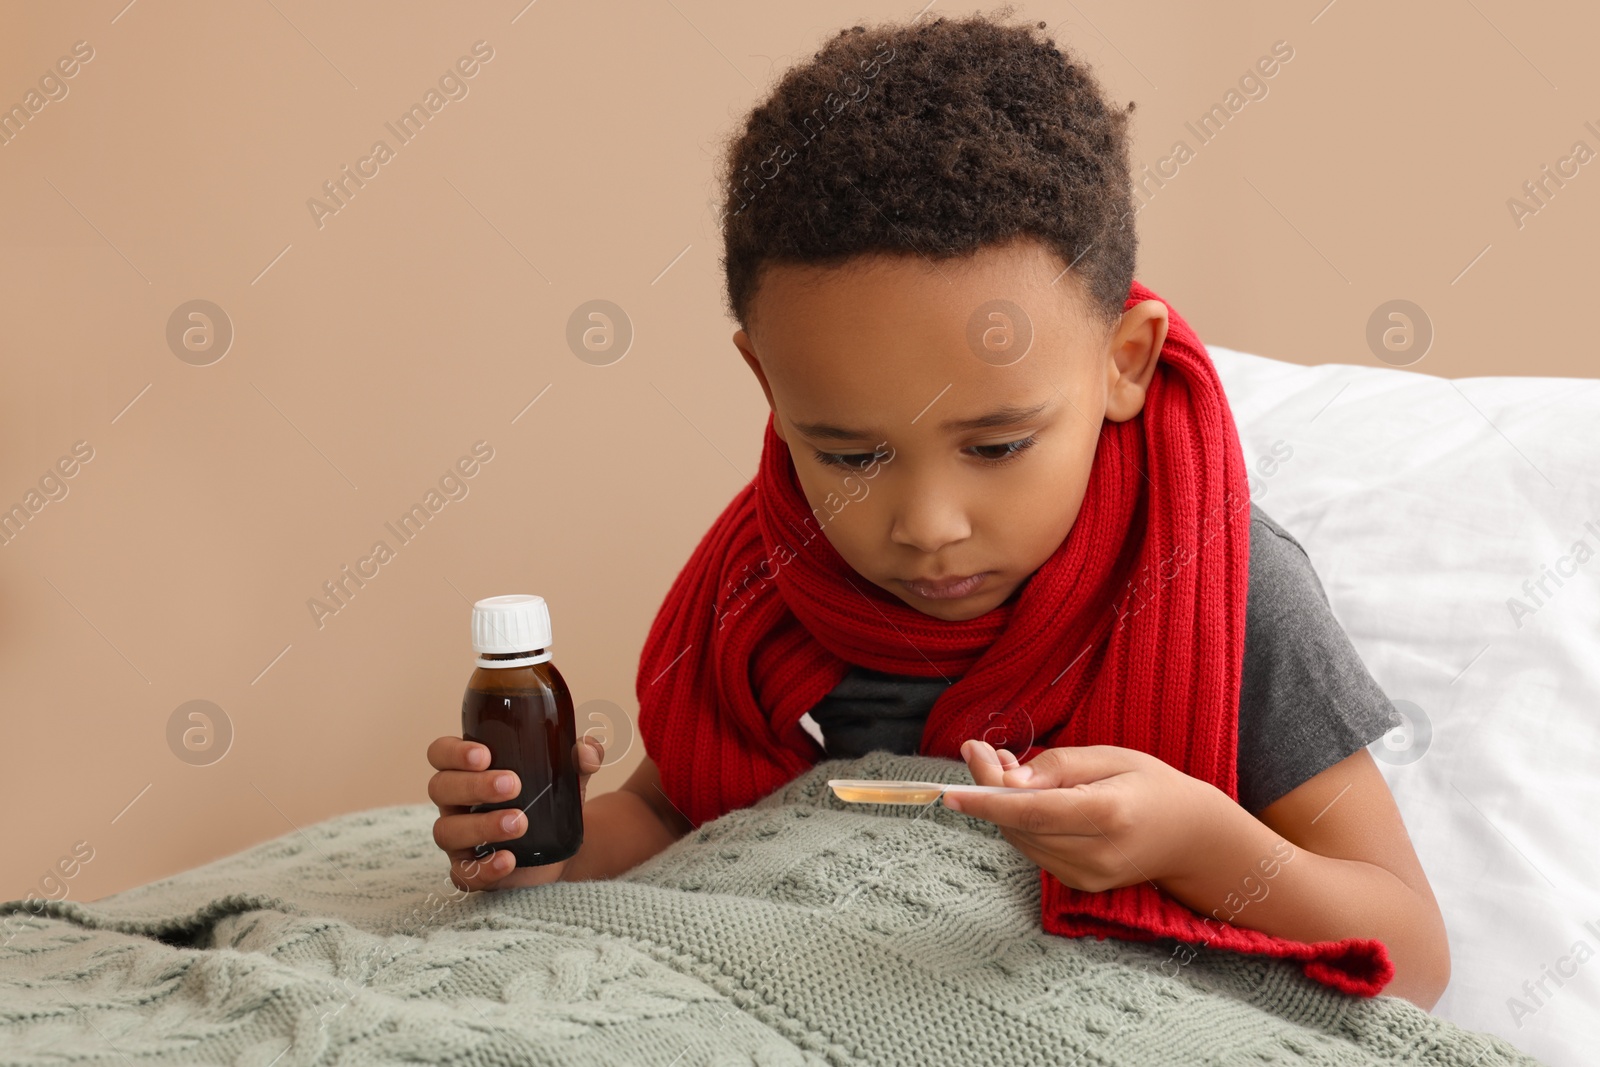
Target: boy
[1002,505]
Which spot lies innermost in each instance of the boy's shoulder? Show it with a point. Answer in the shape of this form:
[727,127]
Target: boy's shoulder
[1281,540]
[1306,698]
[1258,517]
[1280,567]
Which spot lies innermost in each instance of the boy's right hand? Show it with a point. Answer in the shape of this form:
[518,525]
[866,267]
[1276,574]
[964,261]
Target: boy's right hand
[463,779]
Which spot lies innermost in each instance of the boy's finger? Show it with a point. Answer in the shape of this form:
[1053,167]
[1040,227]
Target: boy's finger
[469,872]
[456,832]
[983,762]
[1071,765]
[456,754]
[591,754]
[461,788]
[1047,811]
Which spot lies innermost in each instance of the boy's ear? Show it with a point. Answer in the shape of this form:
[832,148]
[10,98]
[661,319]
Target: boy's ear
[741,341]
[1135,347]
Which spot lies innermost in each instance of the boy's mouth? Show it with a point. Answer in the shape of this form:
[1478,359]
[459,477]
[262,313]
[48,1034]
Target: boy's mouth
[947,588]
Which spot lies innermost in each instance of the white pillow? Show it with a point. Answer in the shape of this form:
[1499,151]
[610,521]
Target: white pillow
[1456,528]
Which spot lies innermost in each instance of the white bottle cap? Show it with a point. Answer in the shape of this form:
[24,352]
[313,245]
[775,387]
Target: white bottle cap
[518,622]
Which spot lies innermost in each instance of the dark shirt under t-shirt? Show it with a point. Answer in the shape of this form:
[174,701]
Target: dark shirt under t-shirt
[1306,701]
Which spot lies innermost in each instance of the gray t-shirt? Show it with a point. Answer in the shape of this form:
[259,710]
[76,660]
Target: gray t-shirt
[1306,701]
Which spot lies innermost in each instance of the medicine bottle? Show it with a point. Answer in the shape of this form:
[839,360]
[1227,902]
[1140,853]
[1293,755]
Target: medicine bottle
[517,704]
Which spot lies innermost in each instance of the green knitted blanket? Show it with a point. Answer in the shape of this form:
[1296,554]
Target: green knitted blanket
[798,931]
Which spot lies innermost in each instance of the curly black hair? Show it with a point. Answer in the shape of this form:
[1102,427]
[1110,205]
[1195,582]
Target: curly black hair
[934,139]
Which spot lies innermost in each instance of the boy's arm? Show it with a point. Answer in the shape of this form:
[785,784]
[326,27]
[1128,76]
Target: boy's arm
[1351,873]
[624,828]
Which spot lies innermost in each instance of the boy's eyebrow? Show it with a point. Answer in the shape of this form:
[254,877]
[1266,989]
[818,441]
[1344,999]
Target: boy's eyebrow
[1009,415]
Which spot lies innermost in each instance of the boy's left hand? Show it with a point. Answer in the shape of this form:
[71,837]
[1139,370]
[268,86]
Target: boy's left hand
[1104,816]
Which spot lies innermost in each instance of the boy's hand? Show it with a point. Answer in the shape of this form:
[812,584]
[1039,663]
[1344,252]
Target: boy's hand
[1104,816]
[461,781]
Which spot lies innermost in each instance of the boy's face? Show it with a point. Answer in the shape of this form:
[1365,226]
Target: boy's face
[945,471]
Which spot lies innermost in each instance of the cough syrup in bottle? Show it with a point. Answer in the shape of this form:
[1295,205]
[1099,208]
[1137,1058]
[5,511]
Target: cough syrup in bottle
[517,704]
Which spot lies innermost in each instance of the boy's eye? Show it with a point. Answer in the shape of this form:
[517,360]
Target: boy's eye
[1003,452]
[856,461]
[994,455]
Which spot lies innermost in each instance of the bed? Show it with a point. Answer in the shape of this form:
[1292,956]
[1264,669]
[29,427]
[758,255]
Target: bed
[805,931]
[1456,528]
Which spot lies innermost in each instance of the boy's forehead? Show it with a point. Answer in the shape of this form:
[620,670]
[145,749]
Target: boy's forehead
[883,333]
[900,292]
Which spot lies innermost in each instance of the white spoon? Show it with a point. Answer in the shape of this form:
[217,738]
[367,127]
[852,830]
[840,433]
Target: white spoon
[882,791]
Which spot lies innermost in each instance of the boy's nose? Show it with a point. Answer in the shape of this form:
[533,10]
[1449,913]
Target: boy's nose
[929,522]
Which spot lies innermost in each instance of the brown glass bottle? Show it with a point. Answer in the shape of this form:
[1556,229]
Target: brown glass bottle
[523,714]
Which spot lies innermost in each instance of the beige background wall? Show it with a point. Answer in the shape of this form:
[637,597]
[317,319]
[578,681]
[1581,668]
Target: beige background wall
[372,351]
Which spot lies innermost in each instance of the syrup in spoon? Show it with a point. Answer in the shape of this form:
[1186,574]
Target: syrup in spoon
[883,791]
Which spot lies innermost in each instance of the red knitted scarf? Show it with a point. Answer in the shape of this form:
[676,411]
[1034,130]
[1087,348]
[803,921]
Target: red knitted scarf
[1130,634]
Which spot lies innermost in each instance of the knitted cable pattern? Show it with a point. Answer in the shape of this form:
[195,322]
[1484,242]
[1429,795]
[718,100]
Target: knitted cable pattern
[798,931]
